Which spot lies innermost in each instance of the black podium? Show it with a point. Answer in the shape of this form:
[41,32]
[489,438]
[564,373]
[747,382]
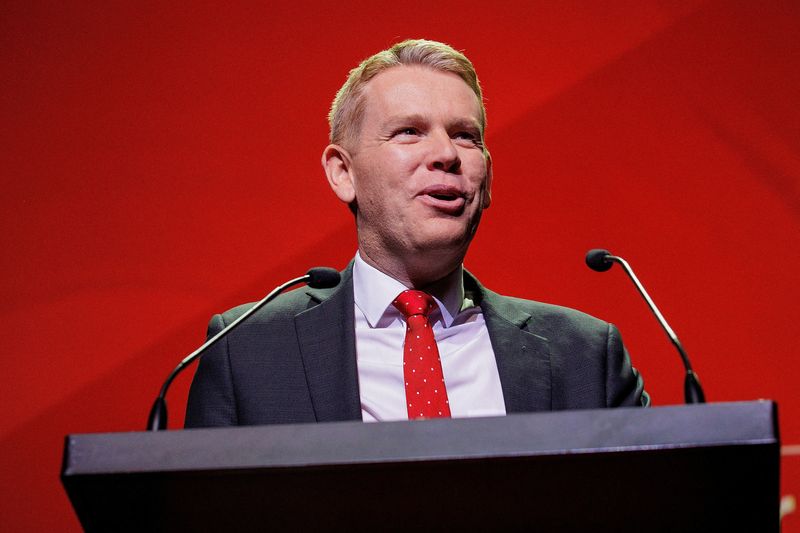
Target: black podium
[712,467]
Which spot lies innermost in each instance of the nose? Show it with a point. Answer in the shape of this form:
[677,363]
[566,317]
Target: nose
[443,154]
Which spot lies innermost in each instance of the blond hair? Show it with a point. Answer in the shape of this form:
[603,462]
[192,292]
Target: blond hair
[347,109]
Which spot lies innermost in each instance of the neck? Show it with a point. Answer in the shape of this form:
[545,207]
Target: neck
[416,272]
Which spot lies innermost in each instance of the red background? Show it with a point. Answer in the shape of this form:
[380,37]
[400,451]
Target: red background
[161,163]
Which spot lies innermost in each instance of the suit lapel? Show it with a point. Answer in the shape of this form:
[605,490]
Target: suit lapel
[523,358]
[326,335]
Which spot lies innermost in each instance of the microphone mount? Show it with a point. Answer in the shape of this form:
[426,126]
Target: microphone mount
[602,260]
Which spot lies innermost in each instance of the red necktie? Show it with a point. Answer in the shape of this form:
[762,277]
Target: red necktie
[426,395]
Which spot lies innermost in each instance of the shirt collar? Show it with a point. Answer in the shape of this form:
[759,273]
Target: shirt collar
[374,291]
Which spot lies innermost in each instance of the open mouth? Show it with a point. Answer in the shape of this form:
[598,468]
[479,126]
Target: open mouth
[444,198]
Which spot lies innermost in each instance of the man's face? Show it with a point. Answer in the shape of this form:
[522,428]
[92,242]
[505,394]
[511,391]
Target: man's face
[418,170]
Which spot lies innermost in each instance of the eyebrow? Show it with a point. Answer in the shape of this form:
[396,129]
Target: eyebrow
[416,118]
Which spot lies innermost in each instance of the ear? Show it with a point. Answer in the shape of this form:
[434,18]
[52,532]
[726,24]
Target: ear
[487,198]
[337,164]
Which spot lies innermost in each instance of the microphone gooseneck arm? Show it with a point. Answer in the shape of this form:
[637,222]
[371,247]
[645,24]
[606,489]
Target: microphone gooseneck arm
[602,260]
[316,277]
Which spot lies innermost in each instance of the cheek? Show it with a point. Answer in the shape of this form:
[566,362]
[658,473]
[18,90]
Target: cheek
[378,164]
[474,168]
[406,158]
[391,175]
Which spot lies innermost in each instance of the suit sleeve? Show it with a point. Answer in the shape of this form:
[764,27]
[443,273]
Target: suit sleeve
[212,401]
[624,384]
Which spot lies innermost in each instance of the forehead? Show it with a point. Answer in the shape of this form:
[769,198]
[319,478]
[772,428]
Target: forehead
[417,90]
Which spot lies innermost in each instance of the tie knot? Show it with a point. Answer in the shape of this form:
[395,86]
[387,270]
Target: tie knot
[412,303]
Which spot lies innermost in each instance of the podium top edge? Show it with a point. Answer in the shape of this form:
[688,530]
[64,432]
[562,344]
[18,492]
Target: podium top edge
[752,423]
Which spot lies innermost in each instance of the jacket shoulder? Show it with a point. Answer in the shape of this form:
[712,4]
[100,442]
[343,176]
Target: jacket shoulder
[289,304]
[545,317]
[284,306]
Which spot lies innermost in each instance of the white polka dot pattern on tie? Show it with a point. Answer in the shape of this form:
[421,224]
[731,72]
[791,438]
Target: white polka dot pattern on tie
[424,401]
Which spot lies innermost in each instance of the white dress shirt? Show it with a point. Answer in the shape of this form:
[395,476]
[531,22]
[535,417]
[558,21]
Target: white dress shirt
[468,361]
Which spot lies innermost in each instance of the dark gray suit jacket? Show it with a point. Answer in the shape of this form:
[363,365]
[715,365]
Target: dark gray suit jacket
[295,360]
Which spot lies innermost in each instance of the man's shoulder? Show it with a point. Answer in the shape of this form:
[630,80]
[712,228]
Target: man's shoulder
[538,307]
[543,311]
[531,312]
[291,303]
[285,305]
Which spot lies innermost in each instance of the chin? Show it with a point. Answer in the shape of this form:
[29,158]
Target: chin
[444,242]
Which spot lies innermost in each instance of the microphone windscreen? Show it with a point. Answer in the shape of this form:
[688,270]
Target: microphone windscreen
[323,277]
[596,260]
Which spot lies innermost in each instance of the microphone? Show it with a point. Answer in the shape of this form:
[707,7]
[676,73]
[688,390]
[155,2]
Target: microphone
[323,278]
[596,260]
[316,278]
[600,261]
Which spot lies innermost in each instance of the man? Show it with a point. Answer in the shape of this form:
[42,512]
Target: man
[407,155]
